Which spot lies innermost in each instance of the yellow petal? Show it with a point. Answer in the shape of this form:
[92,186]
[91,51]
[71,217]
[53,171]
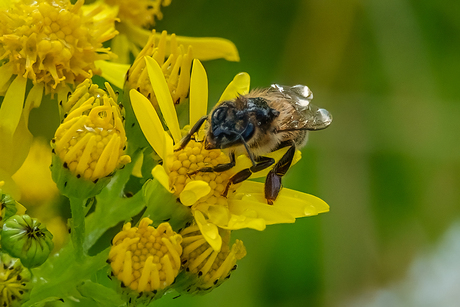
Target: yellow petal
[168,151]
[115,73]
[149,121]
[271,214]
[193,191]
[198,92]
[34,97]
[238,86]
[137,168]
[209,231]
[204,48]
[295,203]
[218,214]
[12,105]
[210,48]
[120,46]
[242,221]
[159,174]
[6,72]
[161,90]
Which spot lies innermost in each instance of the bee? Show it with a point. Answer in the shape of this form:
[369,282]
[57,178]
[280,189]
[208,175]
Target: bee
[258,123]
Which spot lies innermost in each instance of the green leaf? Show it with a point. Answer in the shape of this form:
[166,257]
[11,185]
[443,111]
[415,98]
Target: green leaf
[102,295]
[58,278]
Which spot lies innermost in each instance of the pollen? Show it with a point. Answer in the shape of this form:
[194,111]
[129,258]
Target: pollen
[184,166]
[55,42]
[91,140]
[145,258]
[211,267]
[176,68]
[141,12]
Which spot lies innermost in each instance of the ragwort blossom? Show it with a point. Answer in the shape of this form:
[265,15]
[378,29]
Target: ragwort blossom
[206,268]
[175,67]
[53,45]
[146,258]
[136,19]
[91,140]
[244,206]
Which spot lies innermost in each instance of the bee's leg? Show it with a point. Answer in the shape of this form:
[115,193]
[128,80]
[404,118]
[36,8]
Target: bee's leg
[273,181]
[192,131]
[218,168]
[261,164]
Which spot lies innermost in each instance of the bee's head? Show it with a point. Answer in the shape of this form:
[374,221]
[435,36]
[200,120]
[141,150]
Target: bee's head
[233,123]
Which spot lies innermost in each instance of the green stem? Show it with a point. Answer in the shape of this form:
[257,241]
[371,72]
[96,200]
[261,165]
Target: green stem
[77,225]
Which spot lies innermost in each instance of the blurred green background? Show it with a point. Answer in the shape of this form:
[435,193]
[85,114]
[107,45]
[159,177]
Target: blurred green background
[389,166]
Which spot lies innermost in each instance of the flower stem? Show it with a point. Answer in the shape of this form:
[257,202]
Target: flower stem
[77,225]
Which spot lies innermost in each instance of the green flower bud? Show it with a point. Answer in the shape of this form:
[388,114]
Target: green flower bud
[14,281]
[27,239]
[8,207]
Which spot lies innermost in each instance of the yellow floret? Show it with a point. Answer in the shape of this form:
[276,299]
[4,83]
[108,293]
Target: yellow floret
[145,258]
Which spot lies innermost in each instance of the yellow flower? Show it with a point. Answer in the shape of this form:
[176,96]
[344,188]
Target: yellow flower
[176,68]
[140,13]
[54,42]
[208,268]
[136,18]
[91,140]
[145,258]
[245,205]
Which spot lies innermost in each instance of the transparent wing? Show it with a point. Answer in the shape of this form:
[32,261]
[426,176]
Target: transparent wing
[309,117]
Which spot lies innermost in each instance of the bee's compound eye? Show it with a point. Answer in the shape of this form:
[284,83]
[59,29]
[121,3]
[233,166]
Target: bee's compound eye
[248,132]
[219,114]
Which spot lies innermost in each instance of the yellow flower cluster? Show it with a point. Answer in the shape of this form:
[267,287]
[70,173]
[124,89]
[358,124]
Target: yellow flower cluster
[192,158]
[145,258]
[55,42]
[210,266]
[140,12]
[175,68]
[91,140]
